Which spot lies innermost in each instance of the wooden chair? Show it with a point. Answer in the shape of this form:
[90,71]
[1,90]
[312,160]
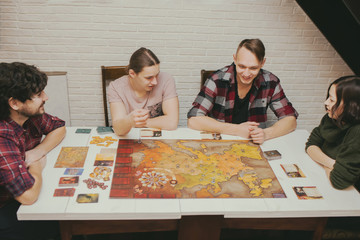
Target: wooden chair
[110,74]
[204,75]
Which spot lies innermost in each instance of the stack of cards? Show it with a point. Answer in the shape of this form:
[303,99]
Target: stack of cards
[69,181]
[104,130]
[272,155]
[210,136]
[150,132]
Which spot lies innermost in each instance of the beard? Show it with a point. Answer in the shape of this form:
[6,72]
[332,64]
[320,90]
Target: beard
[27,113]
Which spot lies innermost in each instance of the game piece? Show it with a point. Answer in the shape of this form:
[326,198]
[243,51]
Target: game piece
[71,157]
[99,141]
[150,132]
[91,183]
[292,170]
[83,130]
[272,155]
[73,171]
[101,173]
[64,192]
[88,198]
[69,181]
[307,193]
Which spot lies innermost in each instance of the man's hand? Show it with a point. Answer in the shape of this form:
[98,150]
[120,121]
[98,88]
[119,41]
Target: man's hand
[243,129]
[139,117]
[257,135]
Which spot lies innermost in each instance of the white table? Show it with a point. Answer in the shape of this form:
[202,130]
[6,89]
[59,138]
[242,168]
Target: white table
[181,214]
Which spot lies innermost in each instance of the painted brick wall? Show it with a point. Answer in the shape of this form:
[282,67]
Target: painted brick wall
[79,36]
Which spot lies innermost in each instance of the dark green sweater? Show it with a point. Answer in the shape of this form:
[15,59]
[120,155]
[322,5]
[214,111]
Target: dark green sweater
[343,145]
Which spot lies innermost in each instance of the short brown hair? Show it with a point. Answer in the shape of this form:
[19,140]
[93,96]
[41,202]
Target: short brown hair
[141,58]
[255,46]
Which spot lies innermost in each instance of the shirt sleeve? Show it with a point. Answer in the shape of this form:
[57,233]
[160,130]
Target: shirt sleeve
[280,105]
[204,101]
[49,123]
[346,169]
[169,90]
[315,137]
[13,172]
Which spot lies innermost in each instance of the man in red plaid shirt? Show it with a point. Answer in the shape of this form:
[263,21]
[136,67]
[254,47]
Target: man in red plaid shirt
[234,99]
[23,122]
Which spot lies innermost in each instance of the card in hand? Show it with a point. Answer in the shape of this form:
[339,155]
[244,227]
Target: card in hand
[307,193]
[150,132]
[64,192]
[88,198]
[292,170]
[272,155]
[69,181]
[73,171]
[83,130]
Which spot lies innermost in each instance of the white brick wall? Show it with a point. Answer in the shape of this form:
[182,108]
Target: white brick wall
[79,36]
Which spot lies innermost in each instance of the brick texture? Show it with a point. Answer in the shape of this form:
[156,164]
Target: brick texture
[81,35]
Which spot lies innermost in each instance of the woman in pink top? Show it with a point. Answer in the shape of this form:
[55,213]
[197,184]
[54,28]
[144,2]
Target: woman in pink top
[145,97]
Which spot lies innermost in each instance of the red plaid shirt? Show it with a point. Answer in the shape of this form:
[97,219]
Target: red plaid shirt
[14,142]
[217,97]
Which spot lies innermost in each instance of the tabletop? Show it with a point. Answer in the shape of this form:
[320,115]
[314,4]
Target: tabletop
[292,149]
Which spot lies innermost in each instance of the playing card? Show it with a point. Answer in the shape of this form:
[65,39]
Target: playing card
[150,132]
[73,171]
[292,170]
[83,130]
[69,181]
[88,198]
[64,192]
[272,155]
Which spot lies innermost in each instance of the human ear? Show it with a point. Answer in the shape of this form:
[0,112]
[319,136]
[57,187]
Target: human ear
[14,103]
[132,73]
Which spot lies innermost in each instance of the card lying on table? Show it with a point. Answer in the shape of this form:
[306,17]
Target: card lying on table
[83,130]
[88,198]
[73,171]
[64,192]
[104,130]
[69,181]
[307,192]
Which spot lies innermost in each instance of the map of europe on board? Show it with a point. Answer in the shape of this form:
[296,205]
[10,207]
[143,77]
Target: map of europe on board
[173,168]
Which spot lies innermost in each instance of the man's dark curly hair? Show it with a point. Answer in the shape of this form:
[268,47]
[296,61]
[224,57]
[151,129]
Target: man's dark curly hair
[19,81]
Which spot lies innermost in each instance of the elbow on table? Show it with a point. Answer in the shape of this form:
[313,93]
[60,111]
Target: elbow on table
[27,199]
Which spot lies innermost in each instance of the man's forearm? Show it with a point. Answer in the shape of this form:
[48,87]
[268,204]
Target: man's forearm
[280,128]
[204,123]
[122,126]
[51,140]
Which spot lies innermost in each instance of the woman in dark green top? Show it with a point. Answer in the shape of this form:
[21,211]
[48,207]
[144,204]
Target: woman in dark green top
[335,143]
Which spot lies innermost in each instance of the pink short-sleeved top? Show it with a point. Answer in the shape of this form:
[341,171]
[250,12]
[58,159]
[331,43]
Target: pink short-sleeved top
[120,91]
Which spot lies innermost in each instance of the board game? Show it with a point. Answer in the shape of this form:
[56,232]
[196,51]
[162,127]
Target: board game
[174,168]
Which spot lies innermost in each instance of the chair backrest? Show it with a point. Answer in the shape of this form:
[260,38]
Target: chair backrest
[109,74]
[204,75]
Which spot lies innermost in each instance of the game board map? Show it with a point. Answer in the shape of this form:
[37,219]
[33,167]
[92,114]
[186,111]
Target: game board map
[172,168]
